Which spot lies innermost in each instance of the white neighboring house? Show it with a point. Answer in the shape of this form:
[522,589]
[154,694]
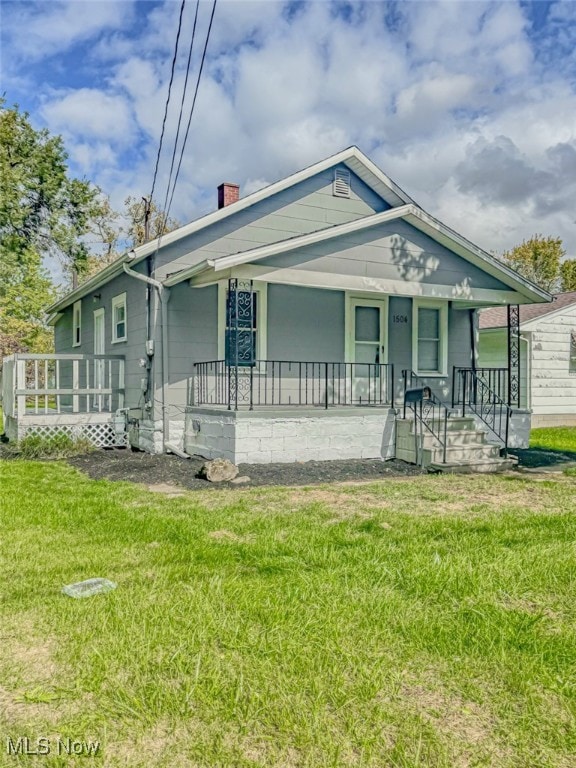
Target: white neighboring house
[548,356]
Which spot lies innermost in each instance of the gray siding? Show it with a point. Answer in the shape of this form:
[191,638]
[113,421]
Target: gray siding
[399,339]
[305,324]
[192,336]
[392,251]
[306,207]
[133,348]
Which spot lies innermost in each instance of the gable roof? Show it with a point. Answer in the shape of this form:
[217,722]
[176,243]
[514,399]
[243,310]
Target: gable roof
[352,157]
[497,317]
[411,213]
[402,207]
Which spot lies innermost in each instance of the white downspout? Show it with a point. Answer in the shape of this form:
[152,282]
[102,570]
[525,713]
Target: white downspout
[164,296]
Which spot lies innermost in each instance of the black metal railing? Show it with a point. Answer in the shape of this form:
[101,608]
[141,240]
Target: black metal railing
[429,412]
[495,379]
[471,391]
[292,383]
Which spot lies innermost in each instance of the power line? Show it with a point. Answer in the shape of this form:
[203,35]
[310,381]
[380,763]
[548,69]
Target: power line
[192,108]
[168,96]
[182,105]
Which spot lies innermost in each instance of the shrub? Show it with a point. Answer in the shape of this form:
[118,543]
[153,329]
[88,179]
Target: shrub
[57,446]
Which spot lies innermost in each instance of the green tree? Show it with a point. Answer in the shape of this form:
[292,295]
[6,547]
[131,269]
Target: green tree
[44,215]
[538,259]
[568,275]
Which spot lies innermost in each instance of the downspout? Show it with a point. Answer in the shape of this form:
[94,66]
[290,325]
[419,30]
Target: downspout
[164,296]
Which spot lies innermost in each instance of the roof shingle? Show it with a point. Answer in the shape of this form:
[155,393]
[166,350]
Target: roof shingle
[497,317]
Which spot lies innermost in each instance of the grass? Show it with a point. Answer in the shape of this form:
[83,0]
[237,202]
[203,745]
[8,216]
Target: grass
[554,439]
[423,622]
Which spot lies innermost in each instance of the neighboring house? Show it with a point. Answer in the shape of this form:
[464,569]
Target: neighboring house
[547,356]
[250,332]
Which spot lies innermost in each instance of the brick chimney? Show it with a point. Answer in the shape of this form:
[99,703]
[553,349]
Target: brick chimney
[227,194]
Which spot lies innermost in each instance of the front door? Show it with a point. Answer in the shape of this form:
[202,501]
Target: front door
[99,349]
[368,348]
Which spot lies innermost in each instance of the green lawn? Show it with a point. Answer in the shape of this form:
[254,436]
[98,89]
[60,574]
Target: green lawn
[554,439]
[421,622]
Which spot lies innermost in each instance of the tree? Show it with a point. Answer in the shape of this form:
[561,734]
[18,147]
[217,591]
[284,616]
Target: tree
[568,275]
[120,232]
[44,215]
[43,212]
[538,259]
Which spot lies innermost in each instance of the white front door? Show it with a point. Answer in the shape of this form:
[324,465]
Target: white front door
[99,349]
[368,327]
[367,349]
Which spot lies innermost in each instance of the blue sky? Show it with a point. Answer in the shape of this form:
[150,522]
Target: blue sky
[469,106]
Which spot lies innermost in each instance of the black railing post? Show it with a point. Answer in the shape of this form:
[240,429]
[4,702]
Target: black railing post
[453,385]
[326,386]
[464,376]
[392,382]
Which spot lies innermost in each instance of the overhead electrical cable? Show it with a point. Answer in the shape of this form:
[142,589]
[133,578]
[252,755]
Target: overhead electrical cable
[192,108]
[181,110]
[173,69]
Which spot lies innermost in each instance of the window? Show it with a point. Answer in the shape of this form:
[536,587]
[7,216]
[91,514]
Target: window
[119,318]
[572,362]
[259,323]
[429,337]
[77,324]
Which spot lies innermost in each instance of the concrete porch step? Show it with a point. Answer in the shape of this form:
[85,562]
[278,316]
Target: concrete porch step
[488,466]
[461,438]
[463,453]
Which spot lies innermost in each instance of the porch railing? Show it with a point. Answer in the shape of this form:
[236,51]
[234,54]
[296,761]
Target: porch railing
[430,414]
[292,383]
[57,384]
[472,393]
[496,379]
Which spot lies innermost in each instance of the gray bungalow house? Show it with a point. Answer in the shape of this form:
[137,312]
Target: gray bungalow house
[287,326]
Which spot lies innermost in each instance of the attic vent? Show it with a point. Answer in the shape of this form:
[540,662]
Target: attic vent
[341,186]
[573,345]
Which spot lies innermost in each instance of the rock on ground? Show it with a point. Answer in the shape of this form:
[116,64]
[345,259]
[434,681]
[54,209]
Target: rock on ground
[219,470]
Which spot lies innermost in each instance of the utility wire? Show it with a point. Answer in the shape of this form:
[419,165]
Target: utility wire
[168,97]
[192,108]
[184,91]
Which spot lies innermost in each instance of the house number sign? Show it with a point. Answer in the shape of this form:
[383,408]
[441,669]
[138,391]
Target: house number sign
[399,318]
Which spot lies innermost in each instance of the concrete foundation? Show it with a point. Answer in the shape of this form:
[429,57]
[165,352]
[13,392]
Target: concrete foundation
[287,435]
[553,420]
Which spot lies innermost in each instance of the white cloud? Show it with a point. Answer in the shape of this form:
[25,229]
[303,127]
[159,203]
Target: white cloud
[88,112]
[463,104]
[44,28]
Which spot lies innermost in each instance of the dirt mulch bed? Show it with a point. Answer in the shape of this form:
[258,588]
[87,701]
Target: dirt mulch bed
[136,467]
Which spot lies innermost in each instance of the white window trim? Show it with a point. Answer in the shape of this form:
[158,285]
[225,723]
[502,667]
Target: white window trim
[77,315]
[443,307]
[349,318]
[261,319]
[119,301]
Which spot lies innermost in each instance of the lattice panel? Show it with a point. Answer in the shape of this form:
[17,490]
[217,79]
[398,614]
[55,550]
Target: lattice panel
[100,435]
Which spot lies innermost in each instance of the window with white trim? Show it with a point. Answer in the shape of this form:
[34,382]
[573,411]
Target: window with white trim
[77,323]
[119,319]
[429,337]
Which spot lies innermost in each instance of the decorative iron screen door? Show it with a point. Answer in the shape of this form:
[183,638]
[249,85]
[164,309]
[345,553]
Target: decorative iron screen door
[240,340]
